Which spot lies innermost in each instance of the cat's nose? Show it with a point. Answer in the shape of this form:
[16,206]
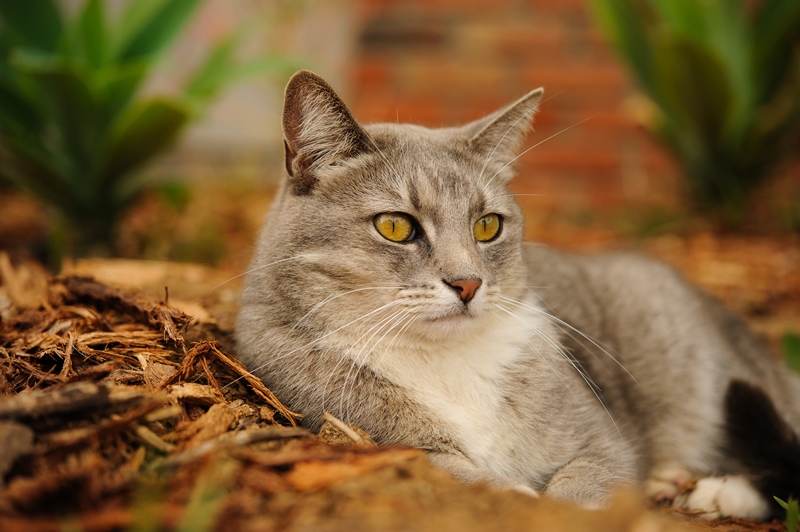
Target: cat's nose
[465,288]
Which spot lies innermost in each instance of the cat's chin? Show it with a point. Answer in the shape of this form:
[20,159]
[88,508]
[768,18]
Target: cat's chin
[447,325]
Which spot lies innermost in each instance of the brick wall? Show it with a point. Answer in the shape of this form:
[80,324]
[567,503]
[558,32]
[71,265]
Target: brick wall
[444,62]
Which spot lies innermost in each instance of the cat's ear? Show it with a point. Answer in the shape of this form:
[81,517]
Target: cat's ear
[499,136]
[318,130]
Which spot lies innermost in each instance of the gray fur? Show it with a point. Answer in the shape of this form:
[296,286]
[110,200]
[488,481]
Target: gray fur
[336,317]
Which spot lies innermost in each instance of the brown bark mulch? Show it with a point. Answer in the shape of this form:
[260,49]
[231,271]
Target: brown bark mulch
[110,419]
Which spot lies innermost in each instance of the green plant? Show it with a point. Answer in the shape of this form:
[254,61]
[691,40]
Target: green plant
[792,513]
[791,350]
[73,129]
[724,81]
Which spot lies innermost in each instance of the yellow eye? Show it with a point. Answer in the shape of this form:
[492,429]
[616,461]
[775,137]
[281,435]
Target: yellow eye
[395,226]
[487,227]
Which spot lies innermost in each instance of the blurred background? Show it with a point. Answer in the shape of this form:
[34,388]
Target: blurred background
[150,129]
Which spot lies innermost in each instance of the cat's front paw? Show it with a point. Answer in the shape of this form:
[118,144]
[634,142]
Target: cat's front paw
[728,496]
[666,482]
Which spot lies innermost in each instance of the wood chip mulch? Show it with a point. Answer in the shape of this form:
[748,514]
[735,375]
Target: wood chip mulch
[110,421]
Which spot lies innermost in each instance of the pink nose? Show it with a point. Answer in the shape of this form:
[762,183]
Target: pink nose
[465,288]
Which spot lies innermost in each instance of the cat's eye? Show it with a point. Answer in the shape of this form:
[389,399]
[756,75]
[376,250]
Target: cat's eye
[487,228]
[396,226]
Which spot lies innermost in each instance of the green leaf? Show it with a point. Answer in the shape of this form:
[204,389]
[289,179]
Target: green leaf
[792,512]
[115,86]
[791,350]
[36,170]
[136,15]
[163,24]
[220,70]
[72,104]
[34,23]
[683,17]
[628,30]
[695,87]
[140,133]
[18,112]
[775,36]
[91,33]
[206,80]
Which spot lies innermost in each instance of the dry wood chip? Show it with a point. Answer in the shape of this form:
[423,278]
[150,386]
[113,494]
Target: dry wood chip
[97,371]
[315,475]
[262,481]
[100,520]
[71,398]
[30,371]
[168,412]
[117,423]
[334,428]
[16,440]
[154,373]
[51,484]
[212,424]
[245,413]
[169,320]
[25,286]
[206,349]
[152,439]
[191,392]
[234,440]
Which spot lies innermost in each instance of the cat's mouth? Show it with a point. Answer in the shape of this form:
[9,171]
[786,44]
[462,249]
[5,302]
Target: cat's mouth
[455,315]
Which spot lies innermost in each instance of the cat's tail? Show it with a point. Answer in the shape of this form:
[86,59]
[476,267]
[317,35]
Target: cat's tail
[763,443]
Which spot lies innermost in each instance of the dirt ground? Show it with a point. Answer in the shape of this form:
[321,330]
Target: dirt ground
[122,405]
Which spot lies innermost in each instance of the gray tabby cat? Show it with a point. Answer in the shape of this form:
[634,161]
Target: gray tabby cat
[391,287]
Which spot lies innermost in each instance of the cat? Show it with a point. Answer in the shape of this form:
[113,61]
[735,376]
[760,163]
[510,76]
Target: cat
[391,287]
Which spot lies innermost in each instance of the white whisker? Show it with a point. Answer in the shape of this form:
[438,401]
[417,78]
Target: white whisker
[313,342]
[565,324]
[534,146]
[260,267]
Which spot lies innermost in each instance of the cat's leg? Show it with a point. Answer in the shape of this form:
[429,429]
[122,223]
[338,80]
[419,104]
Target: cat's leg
[588,480]
[466,471]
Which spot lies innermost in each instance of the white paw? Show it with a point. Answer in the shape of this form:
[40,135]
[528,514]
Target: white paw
[729,496]
[665,482]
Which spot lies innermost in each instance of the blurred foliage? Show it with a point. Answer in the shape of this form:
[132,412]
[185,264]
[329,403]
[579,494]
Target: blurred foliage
[724,78]
[792,512]
[791,350]
[73,129]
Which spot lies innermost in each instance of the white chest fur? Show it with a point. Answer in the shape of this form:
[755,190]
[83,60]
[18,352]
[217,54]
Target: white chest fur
[465,380]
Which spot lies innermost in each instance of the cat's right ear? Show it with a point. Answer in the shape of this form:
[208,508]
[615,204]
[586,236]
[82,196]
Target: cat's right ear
[318,130]
[499,136]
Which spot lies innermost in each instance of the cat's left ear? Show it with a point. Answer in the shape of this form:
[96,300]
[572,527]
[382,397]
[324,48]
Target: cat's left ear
[318,130]
[499,136]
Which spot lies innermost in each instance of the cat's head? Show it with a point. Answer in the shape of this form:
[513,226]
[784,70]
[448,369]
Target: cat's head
[414,225]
